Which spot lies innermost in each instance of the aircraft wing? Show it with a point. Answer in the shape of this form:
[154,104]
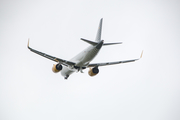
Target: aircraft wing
[61,61]
[113,63]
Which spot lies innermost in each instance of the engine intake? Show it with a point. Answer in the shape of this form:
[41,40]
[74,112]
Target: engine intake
[93,71]
[56,68]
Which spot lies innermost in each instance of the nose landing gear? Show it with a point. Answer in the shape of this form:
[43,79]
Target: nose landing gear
[66,77]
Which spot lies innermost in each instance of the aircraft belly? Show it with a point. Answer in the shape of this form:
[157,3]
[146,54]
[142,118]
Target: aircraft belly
[67,71]
[87,58]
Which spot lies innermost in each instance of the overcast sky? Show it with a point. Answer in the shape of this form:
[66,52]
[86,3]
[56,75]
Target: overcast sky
[144,90]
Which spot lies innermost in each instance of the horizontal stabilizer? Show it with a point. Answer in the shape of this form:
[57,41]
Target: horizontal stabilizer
[112,43]
[95,43]
[90,42]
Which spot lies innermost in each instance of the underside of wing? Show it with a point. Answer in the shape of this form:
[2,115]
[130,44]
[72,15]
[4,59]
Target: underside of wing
[61,61]
[113,63]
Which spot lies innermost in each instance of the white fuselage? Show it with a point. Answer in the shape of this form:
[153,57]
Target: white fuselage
[81,60]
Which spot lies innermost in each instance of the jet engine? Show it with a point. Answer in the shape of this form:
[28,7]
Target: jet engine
[56,68]
[93,71]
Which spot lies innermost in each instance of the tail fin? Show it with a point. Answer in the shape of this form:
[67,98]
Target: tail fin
[98,36]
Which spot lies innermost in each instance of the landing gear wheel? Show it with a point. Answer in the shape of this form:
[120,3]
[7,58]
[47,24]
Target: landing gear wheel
[66,77]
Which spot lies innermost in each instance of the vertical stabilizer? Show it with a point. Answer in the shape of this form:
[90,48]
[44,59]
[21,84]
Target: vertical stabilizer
[98,36]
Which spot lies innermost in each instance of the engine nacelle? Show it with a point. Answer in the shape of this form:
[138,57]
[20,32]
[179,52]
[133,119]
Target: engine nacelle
[56,68]
[93,71]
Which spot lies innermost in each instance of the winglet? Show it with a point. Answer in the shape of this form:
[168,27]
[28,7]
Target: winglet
[28,43]
[141,54]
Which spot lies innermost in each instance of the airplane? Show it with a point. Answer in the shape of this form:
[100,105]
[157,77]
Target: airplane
[82,60]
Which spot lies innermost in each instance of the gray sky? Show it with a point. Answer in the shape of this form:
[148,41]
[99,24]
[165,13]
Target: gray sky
[147,89]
